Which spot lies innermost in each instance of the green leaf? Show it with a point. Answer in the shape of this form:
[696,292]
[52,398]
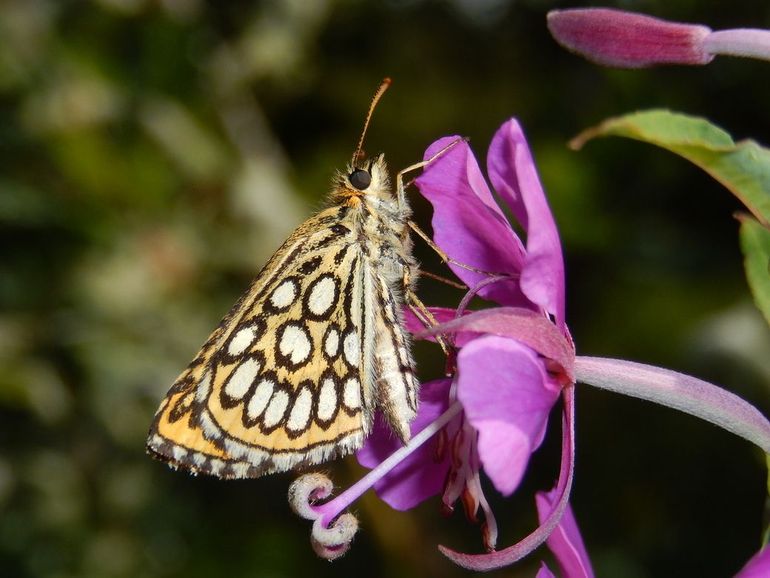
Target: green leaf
[755,242]
[743,167]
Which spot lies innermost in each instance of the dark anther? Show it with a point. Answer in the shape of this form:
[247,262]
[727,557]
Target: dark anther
[360,179]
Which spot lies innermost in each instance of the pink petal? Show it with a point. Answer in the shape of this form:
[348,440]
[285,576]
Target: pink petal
[507,396]
[758,566]
[467,223]
[415,326]
[511,554]
[514,176]
[523,325]
[628,40]
[565,542]
[420,475]
[544,572]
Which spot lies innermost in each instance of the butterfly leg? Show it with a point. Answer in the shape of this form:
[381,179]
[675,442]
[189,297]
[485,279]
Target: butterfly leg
[401,193]
[427,319]
[442,255]
[422,313]
[401,188]
[444,280]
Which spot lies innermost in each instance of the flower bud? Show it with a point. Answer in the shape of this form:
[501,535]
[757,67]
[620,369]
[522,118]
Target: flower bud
[628,40]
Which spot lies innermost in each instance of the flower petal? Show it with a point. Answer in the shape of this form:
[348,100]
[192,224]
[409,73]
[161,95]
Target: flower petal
[758,566]
[507,396]
[467,223]
[509,555]
[544,572]
[523,325]
[420,475]
[415,326]
[565,542]
[514,176]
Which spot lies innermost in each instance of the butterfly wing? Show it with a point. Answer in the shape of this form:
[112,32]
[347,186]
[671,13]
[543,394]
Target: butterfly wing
[283,381]
[396,382]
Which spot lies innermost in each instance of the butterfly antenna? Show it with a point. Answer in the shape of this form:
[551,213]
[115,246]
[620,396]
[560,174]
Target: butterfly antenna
[377,95]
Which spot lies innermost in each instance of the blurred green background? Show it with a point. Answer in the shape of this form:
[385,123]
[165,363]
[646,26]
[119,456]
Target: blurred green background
[154,153]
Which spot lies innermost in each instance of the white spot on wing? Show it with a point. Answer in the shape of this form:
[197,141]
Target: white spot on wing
[300,411]
[322,296]
[240,380]
[351,395]
[178,453]
[276,408]
[284,294]
[352,349]
[241,341]
[332,343]
[203,388]
[216,466]
[259,399]
[295,344]
[327,400]
[210,430]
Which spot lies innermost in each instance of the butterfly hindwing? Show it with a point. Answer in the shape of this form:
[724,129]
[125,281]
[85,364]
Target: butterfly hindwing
[281,381]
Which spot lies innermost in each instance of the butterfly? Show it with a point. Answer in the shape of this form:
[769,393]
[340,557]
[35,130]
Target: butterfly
[295,372]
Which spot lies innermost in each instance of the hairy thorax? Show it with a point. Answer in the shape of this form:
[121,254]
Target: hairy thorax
[385,227]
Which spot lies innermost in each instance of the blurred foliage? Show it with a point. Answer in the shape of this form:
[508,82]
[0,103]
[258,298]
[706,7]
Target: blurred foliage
[153,154]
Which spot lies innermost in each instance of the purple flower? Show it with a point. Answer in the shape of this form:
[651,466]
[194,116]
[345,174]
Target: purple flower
[471,228]
[512,365]
[513,369]
[629,40]
[758,566]
[565,542]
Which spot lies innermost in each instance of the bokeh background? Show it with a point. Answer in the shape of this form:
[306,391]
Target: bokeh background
[154,153]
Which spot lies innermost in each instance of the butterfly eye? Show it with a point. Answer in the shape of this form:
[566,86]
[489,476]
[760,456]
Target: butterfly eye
[360,179]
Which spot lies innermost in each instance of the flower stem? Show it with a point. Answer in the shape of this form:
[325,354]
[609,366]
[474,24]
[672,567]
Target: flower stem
[677,391]
[473,291]
[332,508]
[746,42]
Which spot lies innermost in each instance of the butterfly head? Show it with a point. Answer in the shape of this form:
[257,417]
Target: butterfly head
[363,179]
